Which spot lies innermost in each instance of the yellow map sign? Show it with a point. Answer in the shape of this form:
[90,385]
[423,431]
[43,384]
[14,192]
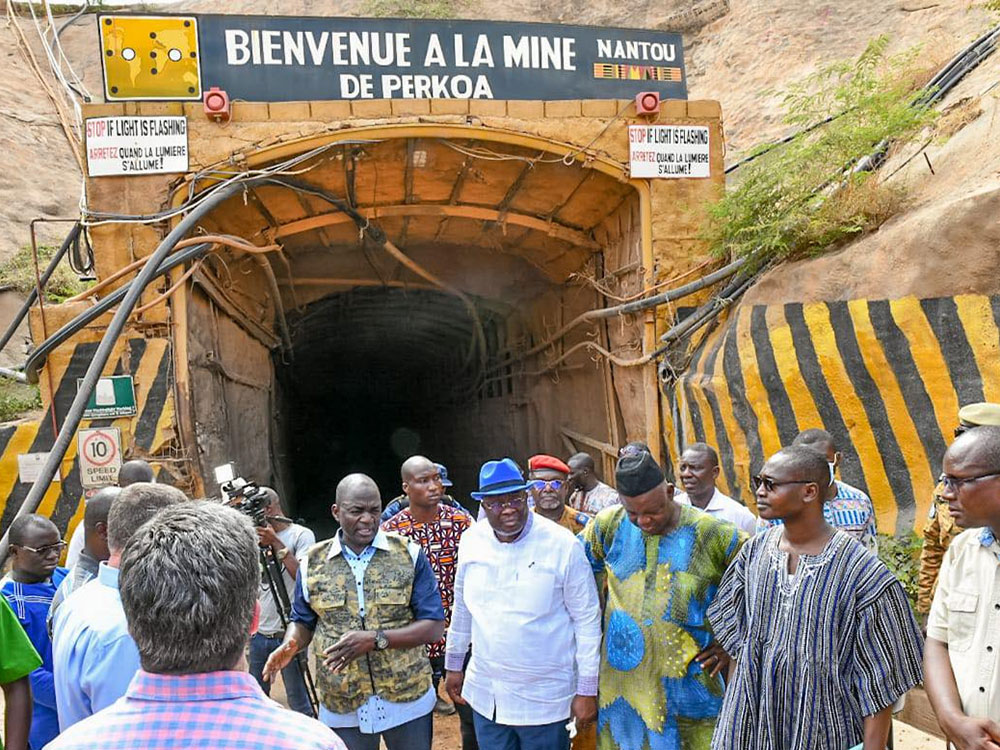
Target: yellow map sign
[150,57]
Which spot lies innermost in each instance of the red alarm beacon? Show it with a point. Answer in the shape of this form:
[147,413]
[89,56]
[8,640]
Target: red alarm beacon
[647,103]
[217,105]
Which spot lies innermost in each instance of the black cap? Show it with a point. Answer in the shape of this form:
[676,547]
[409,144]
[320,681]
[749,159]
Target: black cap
[636,474]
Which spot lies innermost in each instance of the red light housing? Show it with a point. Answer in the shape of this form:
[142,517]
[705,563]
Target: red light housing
[217,105]
[647,103]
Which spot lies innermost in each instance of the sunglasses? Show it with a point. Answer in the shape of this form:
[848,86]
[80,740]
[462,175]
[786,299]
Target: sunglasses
[495,506]
[57,548]
[553,484]
[770,485]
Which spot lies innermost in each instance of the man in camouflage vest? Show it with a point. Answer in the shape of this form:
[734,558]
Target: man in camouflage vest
[369,601]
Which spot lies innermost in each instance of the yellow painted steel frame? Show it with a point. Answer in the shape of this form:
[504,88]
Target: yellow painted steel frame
[587,159]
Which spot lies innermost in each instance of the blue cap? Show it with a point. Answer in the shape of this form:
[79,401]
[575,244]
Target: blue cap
[443,471]
[499,478]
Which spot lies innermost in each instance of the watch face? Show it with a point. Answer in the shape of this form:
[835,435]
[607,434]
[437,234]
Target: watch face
[381,642]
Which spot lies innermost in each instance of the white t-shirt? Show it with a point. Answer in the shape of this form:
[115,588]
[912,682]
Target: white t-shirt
[724,507]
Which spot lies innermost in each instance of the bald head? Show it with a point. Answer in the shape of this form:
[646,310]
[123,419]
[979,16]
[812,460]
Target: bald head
[357,487]
[415,466]
[581,461]
[134,471]
[98,507]
[978,448]
[802,463]
[705,451]
[819,440]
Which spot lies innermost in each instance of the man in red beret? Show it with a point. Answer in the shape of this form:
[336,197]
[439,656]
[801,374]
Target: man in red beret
[548,477]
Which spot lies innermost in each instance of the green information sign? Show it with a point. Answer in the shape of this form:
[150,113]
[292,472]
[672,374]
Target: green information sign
[112,397]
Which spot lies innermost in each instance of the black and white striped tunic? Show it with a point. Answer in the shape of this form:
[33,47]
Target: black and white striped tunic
[816,651]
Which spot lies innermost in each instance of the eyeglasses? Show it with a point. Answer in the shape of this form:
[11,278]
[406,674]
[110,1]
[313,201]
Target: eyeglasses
[57,548]
[553,484]
[955,483]
[495,506]
[770,485]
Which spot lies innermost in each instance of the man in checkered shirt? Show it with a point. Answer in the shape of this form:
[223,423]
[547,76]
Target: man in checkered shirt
[189,582]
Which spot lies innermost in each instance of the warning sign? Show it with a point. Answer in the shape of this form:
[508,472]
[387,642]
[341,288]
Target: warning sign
[136,145]
[668,151]
[112,397]
[100,451]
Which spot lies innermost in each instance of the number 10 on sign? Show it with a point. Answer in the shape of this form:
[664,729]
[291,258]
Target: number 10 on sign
[100,452]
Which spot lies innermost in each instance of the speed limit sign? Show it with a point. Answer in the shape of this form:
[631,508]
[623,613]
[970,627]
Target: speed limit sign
[100,451]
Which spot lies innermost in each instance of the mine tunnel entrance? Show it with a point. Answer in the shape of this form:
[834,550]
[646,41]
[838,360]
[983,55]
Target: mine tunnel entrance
[377,375]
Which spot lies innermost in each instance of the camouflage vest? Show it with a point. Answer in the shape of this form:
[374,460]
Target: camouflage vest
[399,675]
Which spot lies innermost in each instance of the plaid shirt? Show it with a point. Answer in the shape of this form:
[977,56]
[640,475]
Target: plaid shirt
[209,711]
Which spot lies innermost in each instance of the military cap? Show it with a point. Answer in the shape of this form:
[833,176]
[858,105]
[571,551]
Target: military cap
[980,414]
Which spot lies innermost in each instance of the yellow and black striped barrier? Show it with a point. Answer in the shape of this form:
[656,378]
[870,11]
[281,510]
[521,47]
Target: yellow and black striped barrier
[884,377]
[150,434]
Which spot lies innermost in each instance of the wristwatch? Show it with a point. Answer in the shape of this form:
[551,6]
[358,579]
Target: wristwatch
[381,640]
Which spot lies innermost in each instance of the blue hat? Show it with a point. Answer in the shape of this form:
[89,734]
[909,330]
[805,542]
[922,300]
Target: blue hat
[499,478]
[443,471]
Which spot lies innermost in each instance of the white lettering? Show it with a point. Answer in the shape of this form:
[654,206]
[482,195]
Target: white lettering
[237,47]
[435,55]
[317,48]
[483,54]
[338,46]
[295,52]
[460,61]
[271,46]
[515,54]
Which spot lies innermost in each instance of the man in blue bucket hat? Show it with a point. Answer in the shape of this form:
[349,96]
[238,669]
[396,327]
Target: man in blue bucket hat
[525,595]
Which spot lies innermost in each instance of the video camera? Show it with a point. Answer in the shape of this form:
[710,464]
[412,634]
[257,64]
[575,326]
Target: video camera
[246,497]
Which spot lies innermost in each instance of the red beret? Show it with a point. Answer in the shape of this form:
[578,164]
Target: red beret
[541,461]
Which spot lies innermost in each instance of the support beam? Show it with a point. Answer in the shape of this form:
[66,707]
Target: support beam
[435,210]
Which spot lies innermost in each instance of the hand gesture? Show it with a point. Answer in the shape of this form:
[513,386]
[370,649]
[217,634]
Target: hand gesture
[280,658]
[267,537]
[350,646]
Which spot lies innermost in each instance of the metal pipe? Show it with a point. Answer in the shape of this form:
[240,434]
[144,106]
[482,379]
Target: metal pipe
[103,353]
[33,294]
[37,358]
[13,375]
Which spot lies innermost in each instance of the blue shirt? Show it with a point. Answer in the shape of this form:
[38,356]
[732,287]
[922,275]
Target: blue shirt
[30,602]
[377,714]
[95,658]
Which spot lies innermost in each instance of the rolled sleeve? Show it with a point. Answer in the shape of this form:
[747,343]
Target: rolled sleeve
[302,611]
[585,611]
[425,599]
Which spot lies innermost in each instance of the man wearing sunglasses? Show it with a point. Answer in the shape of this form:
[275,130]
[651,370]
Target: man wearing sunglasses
[962,660]
[820,631]
[524,595]
[28,588]
[547,477]
[941,529]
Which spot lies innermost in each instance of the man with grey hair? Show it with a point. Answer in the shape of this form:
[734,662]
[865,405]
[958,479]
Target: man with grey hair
[93,654]
[189,585]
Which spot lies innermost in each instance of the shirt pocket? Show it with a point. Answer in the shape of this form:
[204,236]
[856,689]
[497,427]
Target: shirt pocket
[533,592]
[392,595]
[963,607]
[327,598]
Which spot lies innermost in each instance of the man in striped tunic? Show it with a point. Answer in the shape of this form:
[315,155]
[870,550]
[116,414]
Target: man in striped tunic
[821,632]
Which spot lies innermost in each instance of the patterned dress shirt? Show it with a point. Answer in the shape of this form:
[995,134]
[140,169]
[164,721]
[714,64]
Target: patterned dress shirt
[439,541]
[212,710]
[601,497]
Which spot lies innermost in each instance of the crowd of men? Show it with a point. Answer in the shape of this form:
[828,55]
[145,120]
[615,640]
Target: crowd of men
[569,614]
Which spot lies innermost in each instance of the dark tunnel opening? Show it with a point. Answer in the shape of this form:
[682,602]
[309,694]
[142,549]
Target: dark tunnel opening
[376,376]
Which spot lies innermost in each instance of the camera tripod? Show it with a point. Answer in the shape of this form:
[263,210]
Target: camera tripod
[272,571]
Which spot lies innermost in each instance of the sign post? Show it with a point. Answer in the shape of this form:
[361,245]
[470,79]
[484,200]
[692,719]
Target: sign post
[100,451]
[669,151]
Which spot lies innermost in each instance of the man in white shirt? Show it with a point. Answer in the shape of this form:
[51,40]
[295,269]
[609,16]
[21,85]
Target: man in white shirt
[525,595]
[962,653]
[698,472]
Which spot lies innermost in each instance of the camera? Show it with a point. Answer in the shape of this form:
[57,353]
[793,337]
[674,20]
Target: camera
[246,497]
